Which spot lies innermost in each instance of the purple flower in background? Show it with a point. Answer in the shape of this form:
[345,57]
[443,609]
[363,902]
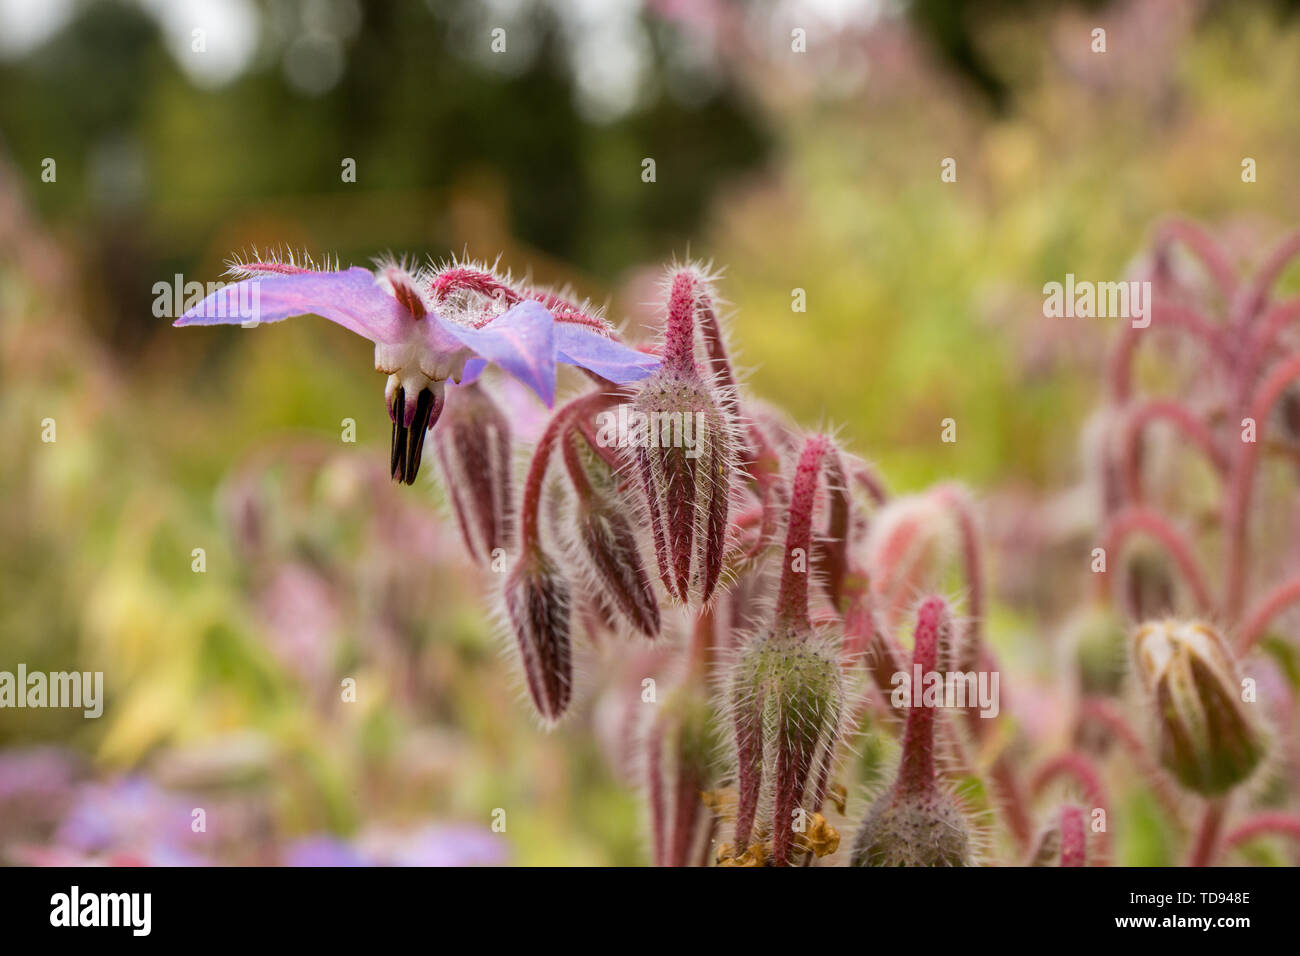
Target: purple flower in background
[436,845]
[323,851]
[419,348]
[431,845]
[130,818]
[46,773]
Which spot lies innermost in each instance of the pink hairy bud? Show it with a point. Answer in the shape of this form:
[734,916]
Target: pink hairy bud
[537,601]
[916,822]
[473,449]
[686,457]
[606,538]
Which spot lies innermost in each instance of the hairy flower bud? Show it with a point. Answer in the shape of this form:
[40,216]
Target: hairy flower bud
[537,602]
[473,448]
[907,547]
[786,696]
[1099,644]
[1206,737]
[679,752]
[605,538]
[908,829]
[686,456]
[1148,583]
[916,822]
[786,692]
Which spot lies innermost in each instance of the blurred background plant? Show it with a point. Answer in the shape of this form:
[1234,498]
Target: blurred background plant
[814,171]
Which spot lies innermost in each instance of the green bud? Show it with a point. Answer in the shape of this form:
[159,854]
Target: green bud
[1206,736]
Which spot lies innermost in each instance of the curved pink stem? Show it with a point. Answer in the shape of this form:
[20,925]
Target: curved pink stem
[1181,418]
[1258,620]
[1075,766]
[1131,521]
[1241,484]
[1274,823]
[1207,837]
[1104,712]
[1081,770]
[792,597]
[1163,315]
[1265,338]
[956,500]
[1204,246]
[1256,292]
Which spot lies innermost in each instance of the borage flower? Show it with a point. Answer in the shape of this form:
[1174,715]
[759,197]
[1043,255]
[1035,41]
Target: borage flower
[420,349]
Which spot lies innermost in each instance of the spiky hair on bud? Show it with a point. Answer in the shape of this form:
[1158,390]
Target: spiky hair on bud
[709,323]
[276,261]
[784,702]
[686,452]
[537,605]
[474,292]
[918,821]
[603,542]
[1205,735]
[785,694]
[678,748]
[474,457]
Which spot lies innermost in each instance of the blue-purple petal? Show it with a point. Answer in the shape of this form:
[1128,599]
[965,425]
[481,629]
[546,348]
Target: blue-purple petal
[350,298]
[577,345]
[521,341]
[473,369]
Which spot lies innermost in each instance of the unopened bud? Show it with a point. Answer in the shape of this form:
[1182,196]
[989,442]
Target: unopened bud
[679,754]
[606,539]
[473,447]
[907,548]
[1206,737]
[786,696]
[916,822]
[687,457]
[537,601]
[1100,647]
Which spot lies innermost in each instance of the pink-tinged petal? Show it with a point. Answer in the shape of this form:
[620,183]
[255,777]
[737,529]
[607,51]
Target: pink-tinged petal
[521,341]
[351,298]
[581,346]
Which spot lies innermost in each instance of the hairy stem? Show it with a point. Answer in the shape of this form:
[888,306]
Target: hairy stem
[792,598]
[1241,485]
[1135,520]
[1181,418]
[1207,836]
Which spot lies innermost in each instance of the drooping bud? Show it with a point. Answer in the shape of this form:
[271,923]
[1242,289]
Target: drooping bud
[1148,583]
[916,822]
[686,456]
[1206,737]
[537,601]
[786,697]
[605,537]
[473,448]
[679,758]
[907,548]
[786,693]
[537,592]
[1099,644]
